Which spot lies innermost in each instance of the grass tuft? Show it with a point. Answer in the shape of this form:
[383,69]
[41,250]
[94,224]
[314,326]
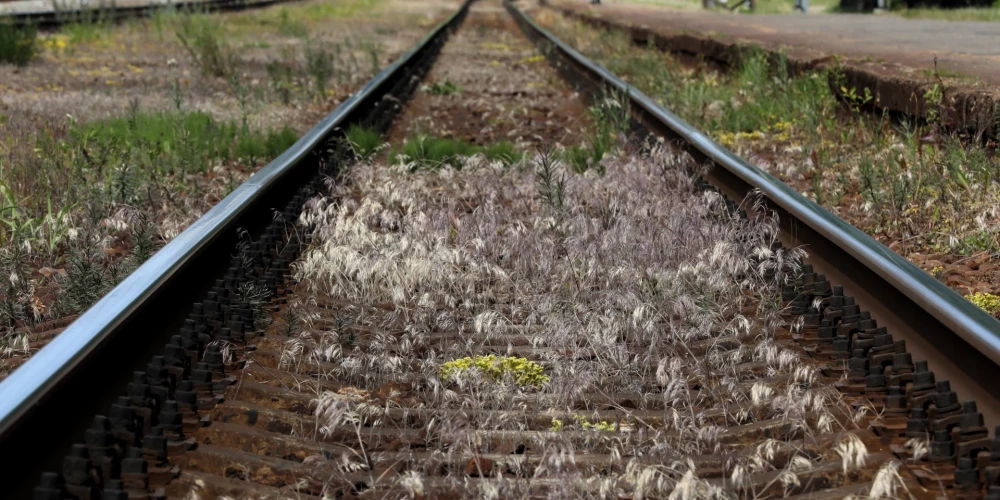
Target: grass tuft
[365,143]
[185,137]
[446,87]
[424,151]
[505,152]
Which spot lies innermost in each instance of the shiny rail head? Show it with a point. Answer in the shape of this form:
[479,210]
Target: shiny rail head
[29,385]
[965,319]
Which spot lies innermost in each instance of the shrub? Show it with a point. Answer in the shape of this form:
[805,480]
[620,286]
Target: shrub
[18,44]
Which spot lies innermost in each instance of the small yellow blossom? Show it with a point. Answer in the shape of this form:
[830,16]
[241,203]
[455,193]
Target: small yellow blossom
[525,372]
[986,301]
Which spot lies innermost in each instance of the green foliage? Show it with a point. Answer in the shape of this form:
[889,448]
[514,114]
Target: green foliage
[269,146]
[186,139]
[424,151]
[551,185]
[584,423]
[16,299]
[320,65]
[282,73]
[582,158]
[611,119]
[524,372]
[203,39]
[18,44]
[964,14]
[365,143]
[446,87]
[290,27]
[85,282]
[143,241]
[337,10]
[84,31]
[505,152]
[291,322]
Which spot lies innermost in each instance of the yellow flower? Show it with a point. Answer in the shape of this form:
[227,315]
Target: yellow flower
[986,301]
[524,372]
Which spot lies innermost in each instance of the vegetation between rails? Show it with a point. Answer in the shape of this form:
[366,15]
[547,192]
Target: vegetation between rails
[927,193]
[612,284]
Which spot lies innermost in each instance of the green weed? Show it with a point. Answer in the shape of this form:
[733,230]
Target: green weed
[320,64]
[18,44]
[84,31]
[282,73]
[290,27]
[610,118]
[203,40]
[365,143]
[505,152]
[991,14]
[442,88]
[337,10]
[424,151]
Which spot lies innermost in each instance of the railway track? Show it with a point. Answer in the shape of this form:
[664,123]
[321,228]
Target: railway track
[496,331]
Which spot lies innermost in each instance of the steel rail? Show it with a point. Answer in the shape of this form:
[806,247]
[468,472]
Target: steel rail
[39,394]
[112,12]
[949,323]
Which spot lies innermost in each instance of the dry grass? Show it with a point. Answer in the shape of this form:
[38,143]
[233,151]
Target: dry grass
[638,283]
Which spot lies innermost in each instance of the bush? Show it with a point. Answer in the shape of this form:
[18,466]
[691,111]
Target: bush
[18,44]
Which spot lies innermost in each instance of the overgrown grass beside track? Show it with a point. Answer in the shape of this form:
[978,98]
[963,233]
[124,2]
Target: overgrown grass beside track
[116,137]
[990,14]
[928,193]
